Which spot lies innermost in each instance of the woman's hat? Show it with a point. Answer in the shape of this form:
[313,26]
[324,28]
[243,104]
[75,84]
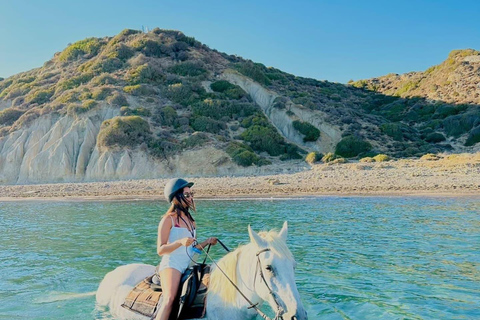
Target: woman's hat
[173,186]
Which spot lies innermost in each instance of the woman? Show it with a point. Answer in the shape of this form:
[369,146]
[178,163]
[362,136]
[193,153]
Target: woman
[176,241]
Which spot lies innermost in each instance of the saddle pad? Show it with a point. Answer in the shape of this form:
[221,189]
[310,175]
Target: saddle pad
[143,299]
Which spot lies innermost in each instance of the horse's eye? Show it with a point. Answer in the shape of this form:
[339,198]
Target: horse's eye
[269,268]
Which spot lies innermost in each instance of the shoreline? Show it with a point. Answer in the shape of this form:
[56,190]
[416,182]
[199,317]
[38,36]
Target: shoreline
[457,176]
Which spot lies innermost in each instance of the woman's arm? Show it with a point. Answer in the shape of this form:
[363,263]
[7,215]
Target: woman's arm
[163,247]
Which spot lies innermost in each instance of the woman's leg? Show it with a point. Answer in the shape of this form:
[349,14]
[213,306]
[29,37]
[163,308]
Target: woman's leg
[170,279]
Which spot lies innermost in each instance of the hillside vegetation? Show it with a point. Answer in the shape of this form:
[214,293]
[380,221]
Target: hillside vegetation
[171,97]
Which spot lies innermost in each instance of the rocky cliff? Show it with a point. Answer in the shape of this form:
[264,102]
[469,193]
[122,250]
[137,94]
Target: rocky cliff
[161,104]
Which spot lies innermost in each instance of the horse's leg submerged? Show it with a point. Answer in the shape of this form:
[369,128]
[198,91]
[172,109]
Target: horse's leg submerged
[116,285]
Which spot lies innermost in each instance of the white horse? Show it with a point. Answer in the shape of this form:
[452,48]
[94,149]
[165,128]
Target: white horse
[263,270]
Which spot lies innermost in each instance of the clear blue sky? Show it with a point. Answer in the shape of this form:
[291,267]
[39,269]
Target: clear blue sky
[328,40]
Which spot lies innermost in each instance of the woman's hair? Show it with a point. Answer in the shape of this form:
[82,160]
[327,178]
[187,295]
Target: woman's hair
[179,203]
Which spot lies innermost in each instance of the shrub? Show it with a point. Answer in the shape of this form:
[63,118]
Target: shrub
[461,123]
[221,86]
[121,52]
[89,46]
[104,79]
[76,109]
[435,137]
[139,90]
[140,111]
[101,93]
[144,74]
[195,140]
[183,94]
[206,124]
[74,82]
[218,109]
[310,132]
[166,116]
[257,119]
[367,159]
[473,137]
[256,71]
[124,132]
[105,64]
[351,146]
[393,130]
[430,157]
[313,157]
[41,96]
[244,156]
[150,48]
[117,99]
[381,158]
[188,68]
[9,116]
[329,157]
[264,139]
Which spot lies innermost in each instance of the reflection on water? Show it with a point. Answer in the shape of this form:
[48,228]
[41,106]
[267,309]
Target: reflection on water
[358,258]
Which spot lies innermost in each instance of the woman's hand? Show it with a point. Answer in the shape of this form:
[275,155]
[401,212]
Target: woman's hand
[186,242]
[212,241]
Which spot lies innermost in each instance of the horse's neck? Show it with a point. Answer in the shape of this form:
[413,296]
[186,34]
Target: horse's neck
[245,283]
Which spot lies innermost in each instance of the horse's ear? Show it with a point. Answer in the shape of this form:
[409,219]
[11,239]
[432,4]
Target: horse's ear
[283,233]
[255,238]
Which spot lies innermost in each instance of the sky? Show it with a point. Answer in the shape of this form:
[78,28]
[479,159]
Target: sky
[335,40]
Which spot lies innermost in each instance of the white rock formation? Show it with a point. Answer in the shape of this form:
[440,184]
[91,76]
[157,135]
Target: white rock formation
[329,135]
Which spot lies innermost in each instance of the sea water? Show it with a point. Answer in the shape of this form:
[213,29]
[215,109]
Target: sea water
[358,257]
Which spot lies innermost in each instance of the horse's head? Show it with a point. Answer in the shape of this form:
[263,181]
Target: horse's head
[275,274]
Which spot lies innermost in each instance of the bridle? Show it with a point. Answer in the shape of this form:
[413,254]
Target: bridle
[280,311]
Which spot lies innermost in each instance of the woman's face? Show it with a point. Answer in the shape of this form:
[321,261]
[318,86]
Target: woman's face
[188,194]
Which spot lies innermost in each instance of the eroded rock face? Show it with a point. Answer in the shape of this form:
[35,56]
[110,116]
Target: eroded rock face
[329,134]
[61,149]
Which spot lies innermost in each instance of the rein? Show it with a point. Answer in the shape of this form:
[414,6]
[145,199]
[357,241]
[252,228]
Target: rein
[254,306]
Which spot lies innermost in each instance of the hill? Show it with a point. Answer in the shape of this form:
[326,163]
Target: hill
[159,104]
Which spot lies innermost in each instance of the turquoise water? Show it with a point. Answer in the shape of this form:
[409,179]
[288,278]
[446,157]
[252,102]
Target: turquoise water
[358,258]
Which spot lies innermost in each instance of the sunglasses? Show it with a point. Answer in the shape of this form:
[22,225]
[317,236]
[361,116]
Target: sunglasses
[188,194]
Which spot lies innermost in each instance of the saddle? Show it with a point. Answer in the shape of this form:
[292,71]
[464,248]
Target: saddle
[191,297]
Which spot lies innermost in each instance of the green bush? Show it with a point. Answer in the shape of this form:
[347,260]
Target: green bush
[473,137]
[244,156]
[150,48]
[435,137]
[195,140]
[313,157]
[257,119]
[101,93]
[221,86]
[144,74]
[104,79]
[310,132]
[256,71]
[393,130]
[41,96]
[76,109]
[188,68]
[74,82]
[139,90]
[9,116]
[88,46]
[184,94]
[140,111]
[117,99]
[201,123]
[329,157]
[218,109]
[104,64]
[264,139]
[121,52]
[381,158]
[351,146]
[124,132]
[461,123]
[166,116]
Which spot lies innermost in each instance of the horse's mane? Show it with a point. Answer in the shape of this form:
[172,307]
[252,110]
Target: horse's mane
[220,285]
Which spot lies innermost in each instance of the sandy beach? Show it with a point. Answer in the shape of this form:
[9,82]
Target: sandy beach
[453,175]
